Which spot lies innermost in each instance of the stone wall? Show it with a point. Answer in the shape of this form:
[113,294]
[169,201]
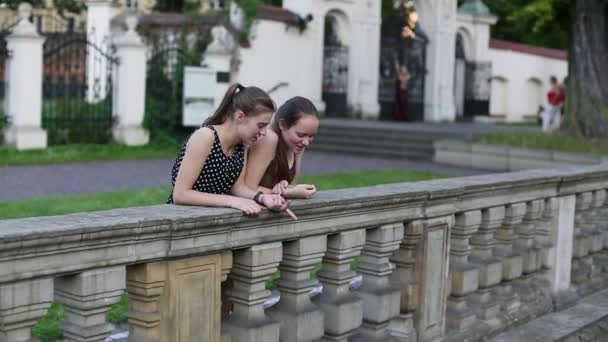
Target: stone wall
[453,258]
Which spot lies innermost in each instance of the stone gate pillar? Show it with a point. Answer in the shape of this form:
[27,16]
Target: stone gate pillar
[24,79]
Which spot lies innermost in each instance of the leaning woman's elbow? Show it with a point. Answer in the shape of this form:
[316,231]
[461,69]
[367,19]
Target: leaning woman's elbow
[178,197]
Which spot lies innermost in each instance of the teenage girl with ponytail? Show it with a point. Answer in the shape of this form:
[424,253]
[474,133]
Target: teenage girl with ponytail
[207,171]
[275,160]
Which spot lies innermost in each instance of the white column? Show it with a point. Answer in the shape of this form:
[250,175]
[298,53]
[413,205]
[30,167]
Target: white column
[438,20]
[367,60]
[99,14]
[24,93]
[562,235]
[217,57]
[130,87]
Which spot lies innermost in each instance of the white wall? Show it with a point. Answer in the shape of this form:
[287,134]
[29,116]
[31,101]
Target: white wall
[285,55]
[526,76]
[277,55]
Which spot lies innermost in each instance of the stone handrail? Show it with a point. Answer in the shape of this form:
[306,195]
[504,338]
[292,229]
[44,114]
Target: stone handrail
[465,251]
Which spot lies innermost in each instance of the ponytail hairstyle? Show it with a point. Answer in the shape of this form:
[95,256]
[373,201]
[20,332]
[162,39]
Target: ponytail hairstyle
[290,112]
[250,100]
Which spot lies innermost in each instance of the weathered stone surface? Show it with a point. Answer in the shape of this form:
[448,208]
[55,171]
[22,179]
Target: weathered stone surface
[21,305]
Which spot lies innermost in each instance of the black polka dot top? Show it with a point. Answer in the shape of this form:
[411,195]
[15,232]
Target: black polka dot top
[220,171]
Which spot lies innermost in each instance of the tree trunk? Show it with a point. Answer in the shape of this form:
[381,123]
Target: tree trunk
[587,93]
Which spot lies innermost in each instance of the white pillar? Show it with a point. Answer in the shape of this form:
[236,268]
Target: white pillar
[24,93]
[367,60]
[438,20]
[217,57]
[99,14]
[130,87]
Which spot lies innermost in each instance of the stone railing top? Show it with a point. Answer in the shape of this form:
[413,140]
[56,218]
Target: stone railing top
[41,246]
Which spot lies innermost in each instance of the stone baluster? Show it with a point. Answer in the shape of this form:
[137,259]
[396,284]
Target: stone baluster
[512,262]
[343,309]
[464,275]
[490,268]
[581,270]
[405,276]
[532,287]
[22,304]
[251,268]
[603,218]
[86,298]
[380,298]
[594,223]
[300,319]
[526,234]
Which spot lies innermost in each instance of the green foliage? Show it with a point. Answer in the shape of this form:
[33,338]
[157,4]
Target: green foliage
[164,88]
[3,125]
[250,9]
[47,328]
[535,22]
[554,142]
[73,120]
[84,153]
[117,314]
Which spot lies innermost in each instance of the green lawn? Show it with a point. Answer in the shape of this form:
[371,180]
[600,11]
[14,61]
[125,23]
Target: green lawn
[135,198]
[543,141]
[84,153]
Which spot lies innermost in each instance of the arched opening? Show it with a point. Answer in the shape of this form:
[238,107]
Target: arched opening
[499,96]
[335,64]
[460,69]
[533,96]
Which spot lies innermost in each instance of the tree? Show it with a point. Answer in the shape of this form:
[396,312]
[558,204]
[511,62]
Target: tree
[587,94]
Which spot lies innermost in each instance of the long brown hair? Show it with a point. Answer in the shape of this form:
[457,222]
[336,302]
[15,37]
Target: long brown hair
[250,100]
[290,112]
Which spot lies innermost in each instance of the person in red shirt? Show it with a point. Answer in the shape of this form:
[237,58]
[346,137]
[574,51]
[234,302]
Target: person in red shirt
[555,99]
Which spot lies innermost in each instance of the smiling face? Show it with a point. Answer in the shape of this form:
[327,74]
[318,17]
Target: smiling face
[300,135]
[253,127]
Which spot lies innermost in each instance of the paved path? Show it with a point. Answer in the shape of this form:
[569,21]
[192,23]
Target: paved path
[85,178]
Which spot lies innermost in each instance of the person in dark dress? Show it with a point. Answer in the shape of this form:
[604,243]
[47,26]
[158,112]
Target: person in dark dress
[208,169]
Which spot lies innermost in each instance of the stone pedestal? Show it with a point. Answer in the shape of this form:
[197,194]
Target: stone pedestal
[22,304]
[343,309]
[300,319]
[380,297]
[176,300]
[86,298]
[251,268]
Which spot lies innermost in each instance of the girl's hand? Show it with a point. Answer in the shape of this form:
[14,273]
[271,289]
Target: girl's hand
[247,206]
[274,202]
[280,188]
[304,191]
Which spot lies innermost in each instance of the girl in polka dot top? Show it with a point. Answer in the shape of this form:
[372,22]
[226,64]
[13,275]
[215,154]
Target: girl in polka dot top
[207,170]
[275,160]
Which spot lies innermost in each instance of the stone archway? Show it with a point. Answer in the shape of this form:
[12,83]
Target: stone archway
[336,57]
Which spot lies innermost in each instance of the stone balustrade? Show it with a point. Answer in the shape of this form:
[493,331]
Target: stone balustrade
[446,259]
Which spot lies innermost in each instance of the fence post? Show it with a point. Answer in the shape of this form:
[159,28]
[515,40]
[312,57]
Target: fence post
[24,77]
[129,89]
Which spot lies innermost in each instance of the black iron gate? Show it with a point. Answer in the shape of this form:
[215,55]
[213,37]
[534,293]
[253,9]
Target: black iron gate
[77,85]
[335,72]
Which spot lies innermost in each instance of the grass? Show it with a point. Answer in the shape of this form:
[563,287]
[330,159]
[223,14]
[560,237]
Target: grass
[152,196]
[84,153]
[538,140]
